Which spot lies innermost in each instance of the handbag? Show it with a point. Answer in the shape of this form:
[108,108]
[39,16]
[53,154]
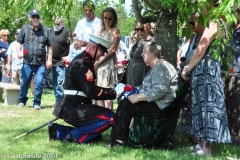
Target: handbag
[123,78]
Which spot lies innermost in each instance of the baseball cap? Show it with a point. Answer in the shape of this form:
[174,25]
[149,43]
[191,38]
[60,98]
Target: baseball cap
[34,12]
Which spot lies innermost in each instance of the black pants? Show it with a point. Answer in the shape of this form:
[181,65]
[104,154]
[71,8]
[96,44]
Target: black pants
[125,111]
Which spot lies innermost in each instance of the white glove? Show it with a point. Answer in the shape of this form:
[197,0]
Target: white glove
[119,89]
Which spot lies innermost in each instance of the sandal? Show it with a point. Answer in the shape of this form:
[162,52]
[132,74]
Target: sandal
[195,148]
[115,143]
[199,152]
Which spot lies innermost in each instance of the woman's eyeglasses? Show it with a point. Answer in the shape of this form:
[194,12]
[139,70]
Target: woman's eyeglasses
[191,23]
[108,18]
[6,35]
[139,29]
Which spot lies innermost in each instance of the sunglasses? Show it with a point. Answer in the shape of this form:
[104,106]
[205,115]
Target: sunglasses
[108,18]
[191,23]
[33,17]
[139,29]
[237,10]
[6,35]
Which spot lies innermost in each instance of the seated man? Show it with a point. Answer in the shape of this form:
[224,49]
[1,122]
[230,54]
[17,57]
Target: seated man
[75,106]
[157,91]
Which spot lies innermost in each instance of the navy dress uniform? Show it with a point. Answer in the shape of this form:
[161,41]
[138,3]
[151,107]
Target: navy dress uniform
[76,108]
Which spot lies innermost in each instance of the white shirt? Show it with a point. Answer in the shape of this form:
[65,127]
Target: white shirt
[16,62]
[123,46]
[73,52]
[84,28]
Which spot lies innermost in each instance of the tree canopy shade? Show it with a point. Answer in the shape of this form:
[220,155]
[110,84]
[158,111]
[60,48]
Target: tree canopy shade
[14,13]
[168,15]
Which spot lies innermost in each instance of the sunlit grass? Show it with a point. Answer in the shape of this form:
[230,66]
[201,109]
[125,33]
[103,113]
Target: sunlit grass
[15,121]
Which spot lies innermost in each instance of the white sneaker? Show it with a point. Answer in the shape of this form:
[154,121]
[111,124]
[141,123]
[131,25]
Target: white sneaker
[195,148]
[36,107]
[21,105]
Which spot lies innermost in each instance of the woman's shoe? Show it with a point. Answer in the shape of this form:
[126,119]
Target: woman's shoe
[199,152]
[115,143]
[195,148]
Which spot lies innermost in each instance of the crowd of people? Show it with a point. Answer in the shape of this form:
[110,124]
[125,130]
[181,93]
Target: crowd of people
[85,74]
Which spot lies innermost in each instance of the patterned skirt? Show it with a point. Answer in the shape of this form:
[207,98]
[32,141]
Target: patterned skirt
[207,118]
[7,77]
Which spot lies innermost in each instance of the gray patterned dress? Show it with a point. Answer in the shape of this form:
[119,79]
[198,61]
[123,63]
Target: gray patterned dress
[137,69]
[209,118]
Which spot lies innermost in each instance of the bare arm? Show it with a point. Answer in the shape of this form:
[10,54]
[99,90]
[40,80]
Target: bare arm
[18,49]
[49,58]
[113,48]
[2,50]
[9,59]
[135,98]
[204,43]
[179,53]
[79,43]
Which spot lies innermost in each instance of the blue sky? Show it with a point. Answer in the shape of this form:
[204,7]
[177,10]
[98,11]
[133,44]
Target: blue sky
[127,4]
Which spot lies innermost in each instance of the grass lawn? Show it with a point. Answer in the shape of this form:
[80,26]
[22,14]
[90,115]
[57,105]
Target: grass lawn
[15,121]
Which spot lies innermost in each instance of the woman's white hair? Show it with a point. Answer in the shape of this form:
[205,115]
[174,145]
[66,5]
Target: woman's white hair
[155,48]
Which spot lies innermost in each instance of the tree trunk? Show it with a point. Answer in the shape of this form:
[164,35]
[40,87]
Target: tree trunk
[166,35]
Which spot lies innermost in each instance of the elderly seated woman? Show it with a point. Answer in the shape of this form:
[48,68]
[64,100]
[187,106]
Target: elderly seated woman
[157,91]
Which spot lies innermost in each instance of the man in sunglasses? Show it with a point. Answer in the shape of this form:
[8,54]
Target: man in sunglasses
[61,44]
[88,25]
[34,38]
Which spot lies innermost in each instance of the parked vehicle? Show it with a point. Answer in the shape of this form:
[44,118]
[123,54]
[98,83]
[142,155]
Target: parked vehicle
[126,40]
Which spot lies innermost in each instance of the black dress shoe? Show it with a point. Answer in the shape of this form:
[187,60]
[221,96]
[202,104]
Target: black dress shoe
[115,143]
[70,139]
[52,127]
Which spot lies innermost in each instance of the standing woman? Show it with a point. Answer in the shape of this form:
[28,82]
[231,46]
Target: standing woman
[236,43]
[106,66]
[4,75]
[137,69]
[209,121]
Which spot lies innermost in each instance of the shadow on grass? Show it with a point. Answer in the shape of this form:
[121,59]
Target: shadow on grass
[47,91]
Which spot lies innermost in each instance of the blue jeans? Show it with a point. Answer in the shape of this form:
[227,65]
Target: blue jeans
[0,73]
[58,75]
[27,72]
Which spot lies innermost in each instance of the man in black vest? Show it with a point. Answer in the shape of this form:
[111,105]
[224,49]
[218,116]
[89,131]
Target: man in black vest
[75,107]
[34,38]
[61,43]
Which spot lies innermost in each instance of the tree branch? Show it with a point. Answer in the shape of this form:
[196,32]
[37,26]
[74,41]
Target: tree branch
[153,3]
[144,19]
[137,11]
[149,19]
